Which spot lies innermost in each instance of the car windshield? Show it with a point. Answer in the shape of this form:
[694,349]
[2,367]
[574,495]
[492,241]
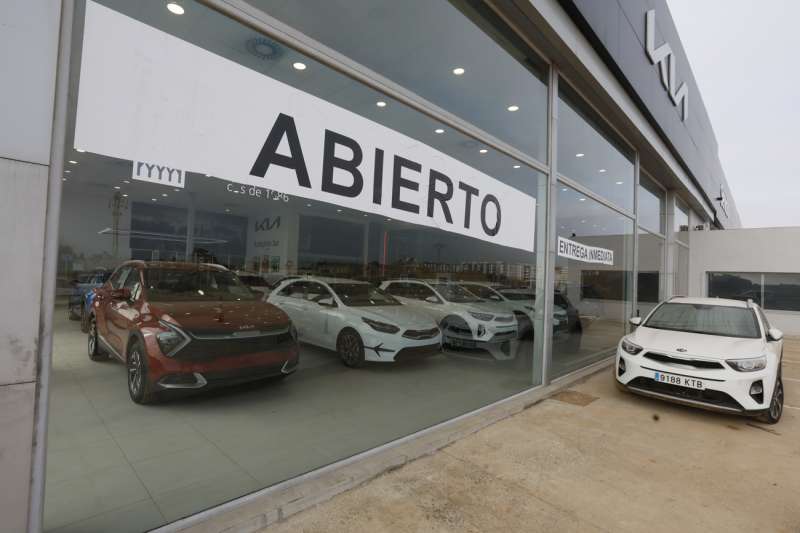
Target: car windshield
[516,294]
[361,295]
[706,319]
[481,291]
[177,285]
[454,293]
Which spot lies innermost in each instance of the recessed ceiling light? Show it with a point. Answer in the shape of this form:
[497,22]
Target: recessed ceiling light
[516,166]
[227,210]
[565,189]
[117,187]
[73,162]
[63,179]
[299,66]
[164,194]
[388,220]
[620,182]
[154,199]
[483,150]
[513,108]
[175,8]
[125,195]
[176,190]
[579,155]
[126,182]
[338,210]
[583,222]
[365,214]
[438,130]
[79,150]
[67,171]
[458,71]
[308,205]
[602,170]
[581,199]
[380,103]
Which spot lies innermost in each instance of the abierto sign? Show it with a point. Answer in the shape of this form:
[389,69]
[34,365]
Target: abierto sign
[581,252]
[145,95]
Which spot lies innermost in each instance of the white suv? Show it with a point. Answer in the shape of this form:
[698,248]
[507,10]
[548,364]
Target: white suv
[468,323]
[706,352]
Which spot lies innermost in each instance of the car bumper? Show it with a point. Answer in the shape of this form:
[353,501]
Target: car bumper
[392,348]
[725,390]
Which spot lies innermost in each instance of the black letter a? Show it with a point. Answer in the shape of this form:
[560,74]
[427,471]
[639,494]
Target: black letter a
[284,125]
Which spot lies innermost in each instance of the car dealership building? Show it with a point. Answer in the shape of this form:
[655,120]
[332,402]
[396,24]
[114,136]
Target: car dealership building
[556,154]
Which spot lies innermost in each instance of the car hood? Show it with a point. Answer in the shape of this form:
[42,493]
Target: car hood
[497,309]
[399,315]
[696,344]
[222,317]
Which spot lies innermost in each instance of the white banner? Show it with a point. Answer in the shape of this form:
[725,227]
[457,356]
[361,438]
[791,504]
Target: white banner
[581,252]
[146,95]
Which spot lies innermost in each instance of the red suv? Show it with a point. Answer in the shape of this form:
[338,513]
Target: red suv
[188,326]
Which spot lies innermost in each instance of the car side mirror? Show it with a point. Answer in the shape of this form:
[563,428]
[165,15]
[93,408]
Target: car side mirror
[635,321]
[775,334]
[327,302]
[121,294]
[432,300]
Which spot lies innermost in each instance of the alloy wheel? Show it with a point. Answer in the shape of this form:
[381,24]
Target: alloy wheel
[776,407]
[350,349]
[135,373]
[92,337]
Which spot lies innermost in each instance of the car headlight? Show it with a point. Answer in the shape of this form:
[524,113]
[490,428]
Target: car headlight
[752,364]
[171,340]
[483,317]
[383,327]
[630,348]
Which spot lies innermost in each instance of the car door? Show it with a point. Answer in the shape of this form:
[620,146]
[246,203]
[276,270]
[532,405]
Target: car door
[427,300]
[292,300]
[123,313]
[103,302]
[775,346]
[324,321]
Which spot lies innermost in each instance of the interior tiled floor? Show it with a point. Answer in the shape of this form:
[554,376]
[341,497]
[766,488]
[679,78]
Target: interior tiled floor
[116,466]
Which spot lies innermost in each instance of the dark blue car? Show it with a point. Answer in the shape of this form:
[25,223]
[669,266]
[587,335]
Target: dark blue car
[81,287]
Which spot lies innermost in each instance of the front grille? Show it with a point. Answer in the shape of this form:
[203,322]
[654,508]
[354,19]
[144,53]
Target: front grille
[417,352]
[459,330]
[241,375]
[419,334]
[212,347]
[504,319]
[503,335]
[695,363]
[709,396]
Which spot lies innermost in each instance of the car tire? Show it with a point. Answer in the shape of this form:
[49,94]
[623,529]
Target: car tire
[139,386]
[350,348]
[773,414]
[84,320]
[93,342]
[72,315]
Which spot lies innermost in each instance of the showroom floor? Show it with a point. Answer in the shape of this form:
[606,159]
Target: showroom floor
[590,459]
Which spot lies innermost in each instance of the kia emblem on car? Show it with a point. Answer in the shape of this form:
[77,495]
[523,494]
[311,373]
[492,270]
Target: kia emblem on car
[682,350]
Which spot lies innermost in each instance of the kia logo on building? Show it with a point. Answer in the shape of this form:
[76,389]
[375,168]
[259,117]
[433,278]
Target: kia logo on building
[155,173]
[266,224]
[665,59]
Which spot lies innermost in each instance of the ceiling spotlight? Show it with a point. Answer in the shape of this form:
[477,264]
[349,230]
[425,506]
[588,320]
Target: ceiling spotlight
[208,175]
[67,171]
[388,220]
[581,199]
[175,8]
[602,170]
[79,150]
[483,150]
[365,214]
[154,199]
[117,187]
[227,210]
[176,190]
[380,103]
[565,189]
[620,182]
[338,210]
[458,71]
[126,182]
[308,205]
[164,194]
[63,179]
[73,162]
[513,108]
[125,195]
[299,66]
[516,166]
[438,130]
[583,222]
[579,155]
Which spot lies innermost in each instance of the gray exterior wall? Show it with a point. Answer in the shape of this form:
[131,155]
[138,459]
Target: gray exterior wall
[617,30]
[30,29]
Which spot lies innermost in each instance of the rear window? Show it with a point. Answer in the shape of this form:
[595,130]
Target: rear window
[706,319]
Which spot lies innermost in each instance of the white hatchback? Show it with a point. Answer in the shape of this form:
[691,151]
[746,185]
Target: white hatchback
[359,321]
[706,352]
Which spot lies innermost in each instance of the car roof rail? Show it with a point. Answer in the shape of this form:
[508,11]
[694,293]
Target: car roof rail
[749,302]
[215,265]
[675,296]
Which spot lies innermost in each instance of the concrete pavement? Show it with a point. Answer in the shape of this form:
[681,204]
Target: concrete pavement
[591,459]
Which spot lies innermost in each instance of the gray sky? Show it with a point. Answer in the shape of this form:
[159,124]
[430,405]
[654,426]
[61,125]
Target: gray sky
[744,55]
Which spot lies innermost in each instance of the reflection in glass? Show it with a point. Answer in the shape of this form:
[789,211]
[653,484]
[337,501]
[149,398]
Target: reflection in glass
[782,292]
[595,298]
[650,288]
[735,286]
[589,154]
[681,270]
[652,202]
[681,222]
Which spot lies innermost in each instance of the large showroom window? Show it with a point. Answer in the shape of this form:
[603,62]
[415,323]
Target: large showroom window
[782,292]
[591,155]
[773,291]
[652,245]
[458,53]
[266,267]
[594,265]
[652,202]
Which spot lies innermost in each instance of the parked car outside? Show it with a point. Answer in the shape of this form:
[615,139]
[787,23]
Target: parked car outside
[711,353]
[187,326]
[468,323]
[359,321]
[81,286]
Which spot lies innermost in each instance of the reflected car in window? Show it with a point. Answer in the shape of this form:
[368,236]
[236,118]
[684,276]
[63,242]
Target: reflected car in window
[359,321]
[711,353]
[81,287]
[187,326]
[468,323]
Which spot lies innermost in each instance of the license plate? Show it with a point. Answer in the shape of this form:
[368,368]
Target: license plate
[681,381]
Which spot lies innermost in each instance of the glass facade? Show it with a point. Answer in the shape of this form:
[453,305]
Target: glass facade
[269,266]
[772,291]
